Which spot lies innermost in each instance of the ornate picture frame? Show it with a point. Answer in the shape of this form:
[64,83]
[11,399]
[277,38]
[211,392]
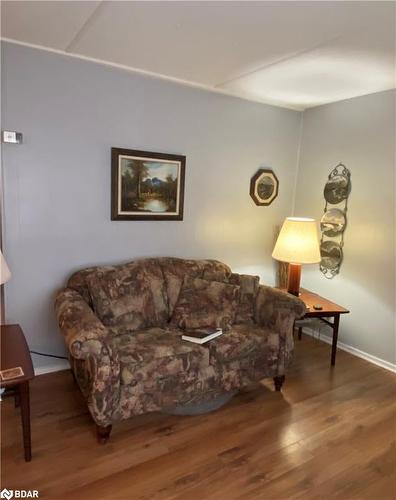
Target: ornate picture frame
[146,185]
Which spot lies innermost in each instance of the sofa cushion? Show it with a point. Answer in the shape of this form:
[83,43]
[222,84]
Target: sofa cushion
[243,341]
[203,303]
[176,269]
[79,280]
[249,286]
[156,353]
[132,294]
[247,297]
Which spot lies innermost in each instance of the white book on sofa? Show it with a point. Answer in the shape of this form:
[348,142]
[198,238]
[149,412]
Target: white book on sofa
[202,335]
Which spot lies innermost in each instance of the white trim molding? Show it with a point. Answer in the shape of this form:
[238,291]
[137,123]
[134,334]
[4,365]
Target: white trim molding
[152,74]
[58,366]
[352,350]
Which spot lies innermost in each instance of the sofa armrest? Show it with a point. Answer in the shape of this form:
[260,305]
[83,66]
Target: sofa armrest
[94,361]
[84,333]
[277,310]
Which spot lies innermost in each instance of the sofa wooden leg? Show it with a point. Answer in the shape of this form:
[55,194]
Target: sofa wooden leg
[103,433]
[278,381]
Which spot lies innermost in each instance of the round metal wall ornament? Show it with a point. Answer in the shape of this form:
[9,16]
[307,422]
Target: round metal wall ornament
[337,189]
[331,253]
[264,187]
[334,220]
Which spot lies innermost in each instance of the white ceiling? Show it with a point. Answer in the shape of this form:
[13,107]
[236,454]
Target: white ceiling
[293,54]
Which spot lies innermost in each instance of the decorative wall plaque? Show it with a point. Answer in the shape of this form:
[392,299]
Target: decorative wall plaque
[264,186]
[334,220]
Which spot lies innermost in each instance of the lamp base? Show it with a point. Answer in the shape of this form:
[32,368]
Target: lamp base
[293,282]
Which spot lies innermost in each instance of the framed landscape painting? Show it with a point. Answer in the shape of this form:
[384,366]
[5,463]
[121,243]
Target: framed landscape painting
[146,186]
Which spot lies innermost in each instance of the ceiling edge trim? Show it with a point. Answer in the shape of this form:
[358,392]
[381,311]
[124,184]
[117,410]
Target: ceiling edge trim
[151,74]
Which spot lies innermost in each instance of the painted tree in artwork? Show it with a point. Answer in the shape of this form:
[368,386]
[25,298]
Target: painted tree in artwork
[127,185]
[170,187]
[139,172]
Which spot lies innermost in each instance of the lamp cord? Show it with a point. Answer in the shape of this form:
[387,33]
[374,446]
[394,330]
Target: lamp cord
[48,355]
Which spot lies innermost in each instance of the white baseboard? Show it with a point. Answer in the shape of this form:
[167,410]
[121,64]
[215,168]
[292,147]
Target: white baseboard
[59,365]
[352,350]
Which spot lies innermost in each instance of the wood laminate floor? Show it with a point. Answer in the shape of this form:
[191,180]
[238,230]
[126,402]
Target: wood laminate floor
[331,433]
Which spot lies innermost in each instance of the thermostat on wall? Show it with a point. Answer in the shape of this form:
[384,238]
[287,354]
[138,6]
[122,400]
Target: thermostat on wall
[12,137]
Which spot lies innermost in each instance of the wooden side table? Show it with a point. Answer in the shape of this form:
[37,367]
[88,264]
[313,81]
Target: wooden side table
[329,310]
[15,353]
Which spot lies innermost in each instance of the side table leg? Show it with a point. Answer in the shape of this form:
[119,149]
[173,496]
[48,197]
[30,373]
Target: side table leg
[299,332]
[25,414]
[335,338]
[278,381]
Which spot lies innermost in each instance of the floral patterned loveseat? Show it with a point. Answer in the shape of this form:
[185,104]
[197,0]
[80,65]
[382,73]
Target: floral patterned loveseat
[123,325]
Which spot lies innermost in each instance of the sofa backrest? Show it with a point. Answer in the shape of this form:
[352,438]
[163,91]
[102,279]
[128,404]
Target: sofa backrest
[172,269]
[175,270]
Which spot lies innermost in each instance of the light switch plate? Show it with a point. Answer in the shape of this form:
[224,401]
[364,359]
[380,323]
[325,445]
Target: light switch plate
[11,137]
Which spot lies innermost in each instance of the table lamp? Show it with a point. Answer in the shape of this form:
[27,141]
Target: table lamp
[297,244]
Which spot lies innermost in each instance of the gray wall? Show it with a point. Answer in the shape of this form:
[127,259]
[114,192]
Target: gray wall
[360,133]
[57,184]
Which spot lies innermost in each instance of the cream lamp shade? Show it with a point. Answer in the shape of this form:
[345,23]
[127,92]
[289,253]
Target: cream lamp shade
[298,241]
[5,273]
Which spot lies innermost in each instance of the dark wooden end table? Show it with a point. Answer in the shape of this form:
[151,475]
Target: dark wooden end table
[15,353]
[329,310]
